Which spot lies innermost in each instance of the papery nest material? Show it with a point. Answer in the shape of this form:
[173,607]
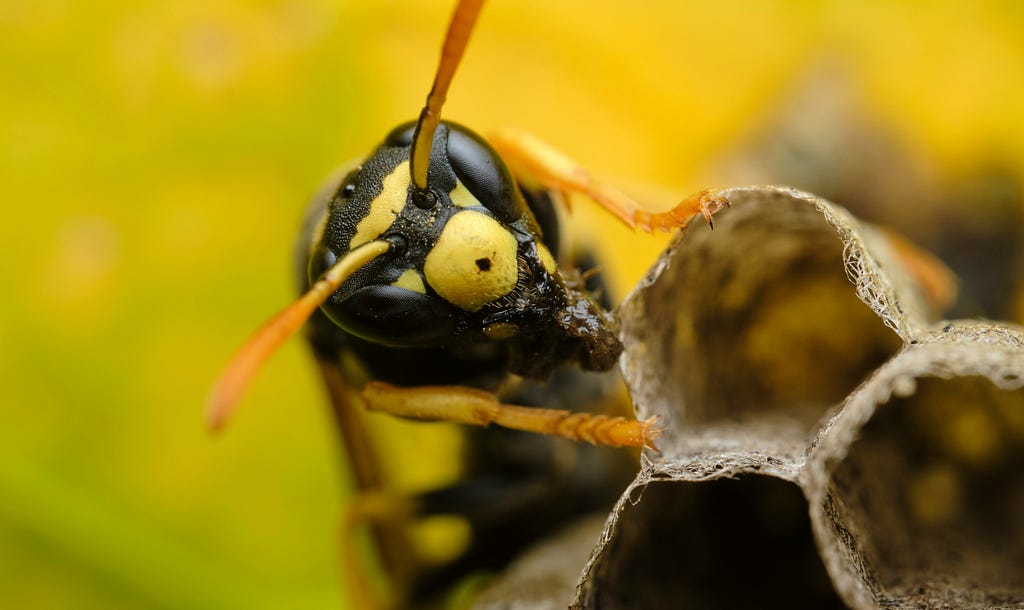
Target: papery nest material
[877,452]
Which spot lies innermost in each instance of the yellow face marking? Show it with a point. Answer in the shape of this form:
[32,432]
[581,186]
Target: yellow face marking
[462,198]
[410,280]
[474,261]
[546,259]
[384,208]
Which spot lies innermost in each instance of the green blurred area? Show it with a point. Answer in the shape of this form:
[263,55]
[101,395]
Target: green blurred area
[154,162]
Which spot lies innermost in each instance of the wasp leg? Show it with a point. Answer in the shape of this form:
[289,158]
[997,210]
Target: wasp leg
[491,504]
[519,488]
[936,279]
[364,462]
[494,505]
[479,408]
[506,511]
[392,546]
[381,511]
[530,156]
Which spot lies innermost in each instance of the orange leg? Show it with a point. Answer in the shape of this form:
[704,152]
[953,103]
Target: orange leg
[393,548]
[526,154]
[933,276]
[379,510]
[475,407]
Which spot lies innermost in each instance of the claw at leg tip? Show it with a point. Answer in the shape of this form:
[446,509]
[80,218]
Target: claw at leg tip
[652,432]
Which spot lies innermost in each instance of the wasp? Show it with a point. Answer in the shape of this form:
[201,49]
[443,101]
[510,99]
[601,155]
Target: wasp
[436,285]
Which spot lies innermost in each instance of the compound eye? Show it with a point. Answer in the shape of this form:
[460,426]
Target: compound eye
[474,261]
[478,167]
[401,136]
[391,315]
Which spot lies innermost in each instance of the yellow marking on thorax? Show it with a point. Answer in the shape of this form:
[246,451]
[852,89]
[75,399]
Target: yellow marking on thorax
[461,196]
[473,262]
[385,207]
[410,280]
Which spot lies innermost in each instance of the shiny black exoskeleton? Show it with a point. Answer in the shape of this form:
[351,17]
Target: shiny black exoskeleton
[409,320]
[543,320]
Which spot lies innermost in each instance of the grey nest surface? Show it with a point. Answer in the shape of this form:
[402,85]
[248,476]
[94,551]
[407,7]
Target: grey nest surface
[828,440]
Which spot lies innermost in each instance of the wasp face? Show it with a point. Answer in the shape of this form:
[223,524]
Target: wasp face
[467,262]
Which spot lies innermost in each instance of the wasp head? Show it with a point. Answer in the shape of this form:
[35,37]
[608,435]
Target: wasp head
[468,262]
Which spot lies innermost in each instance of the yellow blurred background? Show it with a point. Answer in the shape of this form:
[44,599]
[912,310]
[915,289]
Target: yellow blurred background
[154,161]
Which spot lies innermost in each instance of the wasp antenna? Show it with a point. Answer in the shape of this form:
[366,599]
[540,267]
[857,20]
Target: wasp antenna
[228,390]
[455,41]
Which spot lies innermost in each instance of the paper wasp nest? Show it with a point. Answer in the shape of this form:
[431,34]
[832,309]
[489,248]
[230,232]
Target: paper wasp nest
[827,441]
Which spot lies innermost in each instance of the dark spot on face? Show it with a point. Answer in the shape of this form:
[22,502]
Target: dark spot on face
[483,264]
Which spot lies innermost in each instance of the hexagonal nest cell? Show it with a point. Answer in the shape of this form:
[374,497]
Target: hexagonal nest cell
[935,485]
[757,321]
[743,543]
[921,497]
